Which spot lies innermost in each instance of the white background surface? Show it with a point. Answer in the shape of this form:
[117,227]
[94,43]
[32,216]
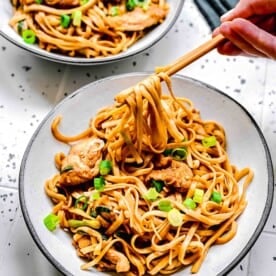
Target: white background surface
[30,87]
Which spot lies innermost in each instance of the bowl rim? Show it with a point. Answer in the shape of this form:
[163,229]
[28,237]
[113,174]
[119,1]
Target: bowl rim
[63,59]
[270,194]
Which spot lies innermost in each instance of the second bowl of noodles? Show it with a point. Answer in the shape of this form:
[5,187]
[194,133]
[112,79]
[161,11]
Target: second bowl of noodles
[87,32]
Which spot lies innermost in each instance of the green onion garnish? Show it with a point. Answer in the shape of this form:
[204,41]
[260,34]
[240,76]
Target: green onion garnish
[81,202]
[198,195]
[39,1]
[167,152]
[65,20]
[158,185]
[216,197]
[93,223]
[164,205]
[67,169]
[29,36]
[102,209]
[175,217]
[144,4]
[130,5]
[99,183]
[93,214]
[114,11]
[208,142]
[189,203]
[20,26]
[105,167]
[151,194]
[95,195]
[51,221]
[83,2]
[77,15]
[179,153]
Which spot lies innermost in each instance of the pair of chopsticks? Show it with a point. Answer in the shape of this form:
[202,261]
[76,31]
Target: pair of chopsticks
[191,56]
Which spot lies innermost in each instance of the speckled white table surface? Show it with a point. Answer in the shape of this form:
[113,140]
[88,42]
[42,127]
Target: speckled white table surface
[30,87]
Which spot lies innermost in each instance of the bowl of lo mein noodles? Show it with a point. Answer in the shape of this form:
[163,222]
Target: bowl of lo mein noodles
[87,32]
[145,174]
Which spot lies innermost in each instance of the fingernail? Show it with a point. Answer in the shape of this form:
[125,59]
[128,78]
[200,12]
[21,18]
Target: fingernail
[225,16]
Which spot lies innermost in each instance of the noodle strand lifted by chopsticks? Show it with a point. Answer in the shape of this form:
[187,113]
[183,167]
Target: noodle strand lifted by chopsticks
[86,28]
[170,193]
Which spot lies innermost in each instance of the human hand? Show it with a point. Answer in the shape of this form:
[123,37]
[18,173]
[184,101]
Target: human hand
[250,29]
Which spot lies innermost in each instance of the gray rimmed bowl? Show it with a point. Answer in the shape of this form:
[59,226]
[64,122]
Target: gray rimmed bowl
[247,147]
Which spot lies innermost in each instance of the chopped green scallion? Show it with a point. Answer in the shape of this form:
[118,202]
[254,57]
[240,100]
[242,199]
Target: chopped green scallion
[175,217]
[102,209]
[179,153]
[189,203]
[130,5]
[77,15]
[158,185]
[83,2]
[29,36]
[164,205]
[208,142]
[20,26]
[99,183]
[167,152]
[105,167]
[93,214]
[81,202]
[95,195]
[51,221]
[93,223]
[39,1]
[216,197]
[114,11]
[65,20]
[151,194]
[67,169]
[198,195]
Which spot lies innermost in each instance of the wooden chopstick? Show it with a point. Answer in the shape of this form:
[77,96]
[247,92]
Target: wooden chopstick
[191,56]
[185,60]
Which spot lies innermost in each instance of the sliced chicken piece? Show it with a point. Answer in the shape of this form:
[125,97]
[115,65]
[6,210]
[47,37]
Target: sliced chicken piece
[119,259]
[82,162]
[138,19]
[178,175]
[163,161]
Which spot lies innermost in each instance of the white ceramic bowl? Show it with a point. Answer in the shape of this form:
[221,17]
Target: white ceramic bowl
[146,42]
[246,147]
